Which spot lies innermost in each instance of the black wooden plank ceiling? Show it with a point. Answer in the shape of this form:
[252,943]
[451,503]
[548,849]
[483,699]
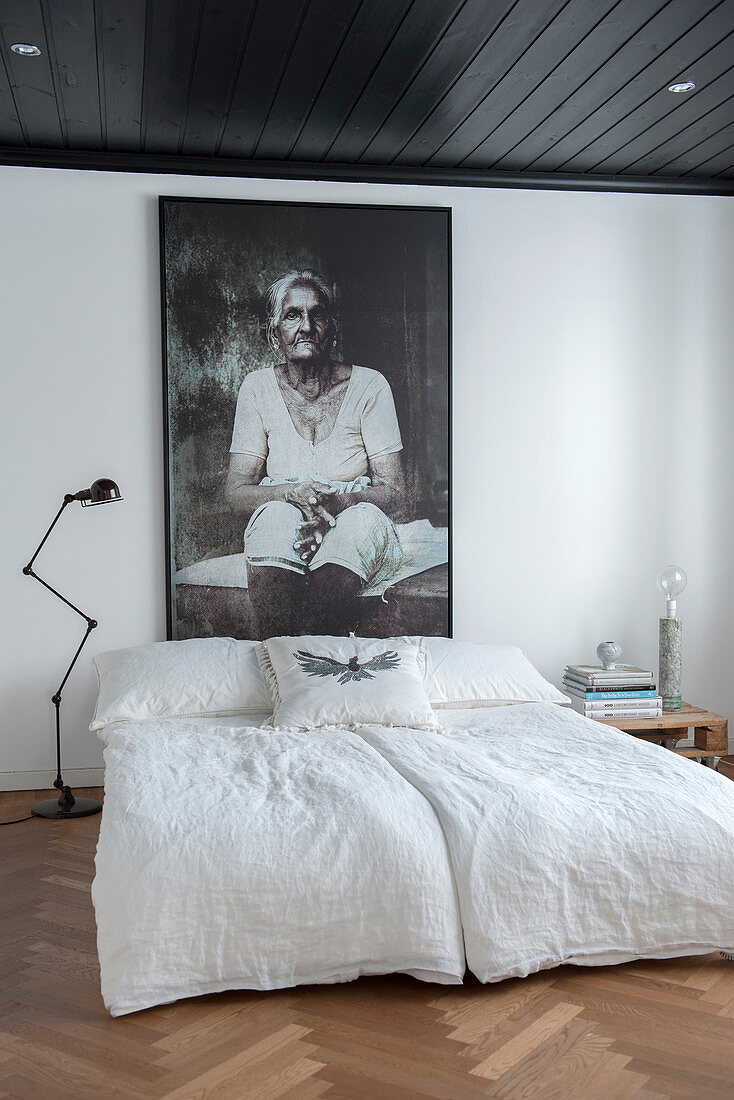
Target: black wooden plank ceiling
[516,92]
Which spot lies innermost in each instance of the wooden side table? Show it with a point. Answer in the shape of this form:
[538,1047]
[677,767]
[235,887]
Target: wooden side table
[710,731]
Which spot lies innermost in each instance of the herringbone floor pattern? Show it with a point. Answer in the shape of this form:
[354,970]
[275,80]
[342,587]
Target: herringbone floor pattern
[651,1031]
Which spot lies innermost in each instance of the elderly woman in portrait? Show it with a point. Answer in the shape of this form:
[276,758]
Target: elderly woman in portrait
[315,468]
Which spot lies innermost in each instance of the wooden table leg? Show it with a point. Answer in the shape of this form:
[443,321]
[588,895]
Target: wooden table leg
[712,738]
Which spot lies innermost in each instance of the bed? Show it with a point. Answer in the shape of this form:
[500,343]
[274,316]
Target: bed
[515,837]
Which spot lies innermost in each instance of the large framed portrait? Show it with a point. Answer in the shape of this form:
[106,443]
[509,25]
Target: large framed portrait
[306,358]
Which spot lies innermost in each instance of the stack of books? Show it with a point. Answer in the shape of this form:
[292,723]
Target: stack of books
[622,692]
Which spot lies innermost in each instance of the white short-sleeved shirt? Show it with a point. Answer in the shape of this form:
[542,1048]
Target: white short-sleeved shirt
[366,427]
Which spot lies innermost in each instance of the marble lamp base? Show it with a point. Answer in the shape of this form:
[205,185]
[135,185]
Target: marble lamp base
[670,683]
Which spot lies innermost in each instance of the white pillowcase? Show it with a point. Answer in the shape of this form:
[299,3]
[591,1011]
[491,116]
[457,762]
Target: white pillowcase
[222,676]
[321,682]
[477,674]
[188,679]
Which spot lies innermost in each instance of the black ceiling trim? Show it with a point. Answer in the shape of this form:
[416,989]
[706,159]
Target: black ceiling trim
[362,173]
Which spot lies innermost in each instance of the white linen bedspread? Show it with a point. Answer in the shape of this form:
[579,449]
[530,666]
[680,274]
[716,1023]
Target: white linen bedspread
[232,858]
[571,841]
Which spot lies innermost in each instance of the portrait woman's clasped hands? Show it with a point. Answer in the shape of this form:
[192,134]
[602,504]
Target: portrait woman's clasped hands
[319,505]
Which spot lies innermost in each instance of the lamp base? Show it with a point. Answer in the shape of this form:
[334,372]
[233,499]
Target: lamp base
[83,807]
[669,683]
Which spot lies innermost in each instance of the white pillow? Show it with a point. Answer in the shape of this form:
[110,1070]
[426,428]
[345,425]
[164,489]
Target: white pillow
[188,679]
[477,674]
[320,682]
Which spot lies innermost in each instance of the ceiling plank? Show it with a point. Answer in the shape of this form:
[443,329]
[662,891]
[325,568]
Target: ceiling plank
[324,30]
[715,169]
[576,20]
[350,73]
[665,63]
[572,73]
[666,114]
[71,27]
[403,56]
[11,131]
[718,141]
[684,141]
[506,42]
[170,45]
[275,28]
[31,78]
[222,38]
[121,48]
[633,56]
[448,52]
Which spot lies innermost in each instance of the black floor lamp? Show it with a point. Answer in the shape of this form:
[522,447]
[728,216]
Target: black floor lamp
[102,492]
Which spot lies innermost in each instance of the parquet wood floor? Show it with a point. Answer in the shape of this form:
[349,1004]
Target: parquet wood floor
[648,1030]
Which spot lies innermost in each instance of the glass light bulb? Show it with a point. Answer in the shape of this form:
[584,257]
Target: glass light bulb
[671,583]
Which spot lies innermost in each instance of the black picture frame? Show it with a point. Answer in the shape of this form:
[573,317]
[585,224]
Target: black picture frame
[216,258]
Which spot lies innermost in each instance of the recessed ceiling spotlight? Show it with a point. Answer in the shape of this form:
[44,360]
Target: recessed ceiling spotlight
[684,86]
[26,49]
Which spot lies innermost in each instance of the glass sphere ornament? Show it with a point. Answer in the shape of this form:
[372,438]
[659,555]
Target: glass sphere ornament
[608,654]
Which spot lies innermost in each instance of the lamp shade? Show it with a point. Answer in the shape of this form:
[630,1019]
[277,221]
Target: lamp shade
[102,491]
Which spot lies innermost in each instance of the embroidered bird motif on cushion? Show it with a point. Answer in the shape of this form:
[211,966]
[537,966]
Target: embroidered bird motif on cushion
[352,670]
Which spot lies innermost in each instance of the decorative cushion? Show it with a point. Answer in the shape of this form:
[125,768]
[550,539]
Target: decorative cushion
[319,681]
[188,679]
[476,674]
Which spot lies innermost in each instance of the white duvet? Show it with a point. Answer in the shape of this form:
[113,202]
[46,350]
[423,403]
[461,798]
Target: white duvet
[519,838]
[239,858]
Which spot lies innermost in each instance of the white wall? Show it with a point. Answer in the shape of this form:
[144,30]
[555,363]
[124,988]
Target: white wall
[593,386]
